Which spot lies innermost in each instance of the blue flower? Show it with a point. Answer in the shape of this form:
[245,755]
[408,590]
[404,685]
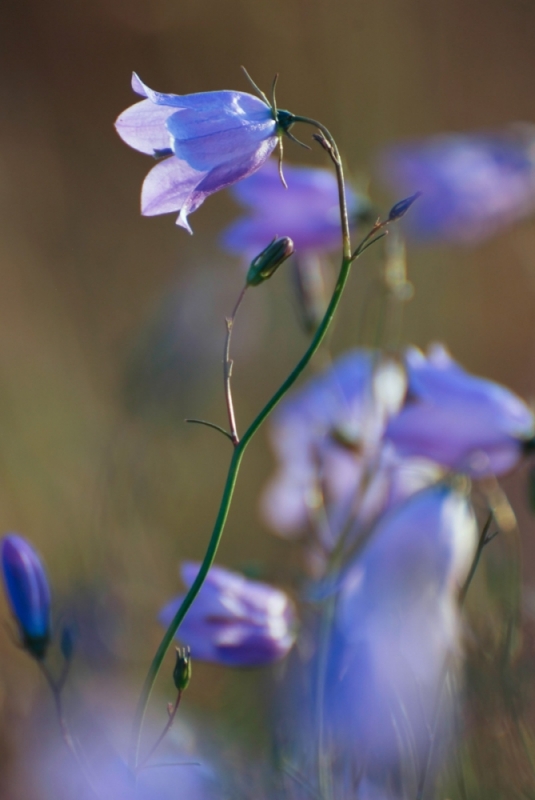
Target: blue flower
[461,421]
[27,592]
[307,211]
[472,184]
[213,140]
[234,621]
[333,464]
[396,628]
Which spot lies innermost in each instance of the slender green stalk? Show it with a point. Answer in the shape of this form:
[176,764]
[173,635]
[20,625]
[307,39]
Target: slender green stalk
[240,448]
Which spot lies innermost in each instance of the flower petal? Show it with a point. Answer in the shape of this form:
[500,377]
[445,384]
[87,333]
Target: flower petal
[142,126]
[205,141]
[168,186]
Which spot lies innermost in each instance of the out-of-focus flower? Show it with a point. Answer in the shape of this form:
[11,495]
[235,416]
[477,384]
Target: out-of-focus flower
[472,184]
[178,769]
[234,621]
[307,211]
[396,630]
[27,592]
[463,422]
[213,139]
[329,441]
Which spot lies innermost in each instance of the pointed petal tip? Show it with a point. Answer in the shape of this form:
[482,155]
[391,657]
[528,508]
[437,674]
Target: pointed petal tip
[182,221]
[137,85]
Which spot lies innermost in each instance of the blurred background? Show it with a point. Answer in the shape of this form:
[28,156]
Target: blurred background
[112,325]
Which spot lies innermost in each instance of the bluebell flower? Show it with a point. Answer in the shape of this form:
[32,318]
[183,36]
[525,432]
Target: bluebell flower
[372,676]
[212,140]
[27,592]
[472,185]
[234,621]
[334,466]
[307,211]
[461,421]
[396,630]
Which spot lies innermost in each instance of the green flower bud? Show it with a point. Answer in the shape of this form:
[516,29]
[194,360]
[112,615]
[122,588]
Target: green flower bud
[182,670]
[265,264]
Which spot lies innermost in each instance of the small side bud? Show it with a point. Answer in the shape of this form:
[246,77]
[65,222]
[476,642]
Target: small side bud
[400,209]
[265,264]
[182,670]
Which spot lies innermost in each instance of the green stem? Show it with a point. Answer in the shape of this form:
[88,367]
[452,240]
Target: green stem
[239,451]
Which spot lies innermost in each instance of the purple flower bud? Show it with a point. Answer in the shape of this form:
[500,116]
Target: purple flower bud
[269,260]
[468,424]
[27,592]
[307,211]
[400,208]
[234,621]
[472,184]
[214,139]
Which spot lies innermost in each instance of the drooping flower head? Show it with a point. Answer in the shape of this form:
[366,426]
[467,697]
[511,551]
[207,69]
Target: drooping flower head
[234,621]
[466,423]
[472,184]
[307,211]
[27,592]
[211,140]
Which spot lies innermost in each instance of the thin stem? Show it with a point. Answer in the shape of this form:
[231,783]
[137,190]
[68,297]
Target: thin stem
[210,425]
[483,540]
[337,161]
[55,689]
[227,370]
[237,456]
[163,734]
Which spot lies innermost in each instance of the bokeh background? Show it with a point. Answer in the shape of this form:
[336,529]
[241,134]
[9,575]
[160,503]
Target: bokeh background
[112,325]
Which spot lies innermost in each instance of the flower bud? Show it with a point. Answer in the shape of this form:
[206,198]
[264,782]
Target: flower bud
[271,257]
[400,209]
[27,592]
[182,670]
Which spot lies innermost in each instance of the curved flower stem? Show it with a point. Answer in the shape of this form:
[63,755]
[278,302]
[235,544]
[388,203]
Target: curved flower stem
[330,145]
[227,370]
[56,689]
[239,451]
[173,708]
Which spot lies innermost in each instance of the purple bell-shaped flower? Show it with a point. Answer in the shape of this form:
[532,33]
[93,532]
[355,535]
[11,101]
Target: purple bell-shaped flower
[212,140]
[234,621]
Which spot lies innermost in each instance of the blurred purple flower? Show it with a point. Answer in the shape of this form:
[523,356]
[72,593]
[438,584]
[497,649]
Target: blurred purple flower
[234,621]
[463,422]
[27,592]
[102,728]
[472,184]
[396,629]
[329,441]
[213,139]
[307,211]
